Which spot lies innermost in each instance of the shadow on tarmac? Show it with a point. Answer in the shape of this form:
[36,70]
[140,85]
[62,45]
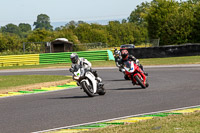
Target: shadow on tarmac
[132,88]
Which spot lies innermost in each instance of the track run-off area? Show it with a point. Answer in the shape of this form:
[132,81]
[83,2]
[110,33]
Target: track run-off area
[171,87]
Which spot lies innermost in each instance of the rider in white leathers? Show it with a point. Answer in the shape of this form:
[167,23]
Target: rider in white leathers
[84,63]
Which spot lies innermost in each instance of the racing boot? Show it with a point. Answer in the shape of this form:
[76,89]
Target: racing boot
[141,67]
[145,73]
[99,80]
[100,87]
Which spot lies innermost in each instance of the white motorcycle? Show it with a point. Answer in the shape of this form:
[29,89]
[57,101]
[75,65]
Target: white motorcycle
[87,81]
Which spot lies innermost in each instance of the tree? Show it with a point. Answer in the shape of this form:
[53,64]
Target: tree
[124,21]
[196,27]
[43,21]
[81,22]
[168,21]
[10,42]
[66,33]
[71,25]
[136,16]
[3,42]
[87,33]
[11,28]
[40,35]
[24,27]
[194,1]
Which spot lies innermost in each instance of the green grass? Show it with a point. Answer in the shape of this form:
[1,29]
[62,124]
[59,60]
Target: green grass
[185,123]
[19,80]
[36,66]
[171,60]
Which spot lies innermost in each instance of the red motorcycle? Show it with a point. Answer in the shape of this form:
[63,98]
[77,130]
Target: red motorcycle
[135,74]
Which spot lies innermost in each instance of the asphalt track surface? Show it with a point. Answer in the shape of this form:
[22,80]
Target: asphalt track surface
[170,88]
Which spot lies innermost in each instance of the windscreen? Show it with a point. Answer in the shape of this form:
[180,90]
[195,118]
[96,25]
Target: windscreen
[127,64]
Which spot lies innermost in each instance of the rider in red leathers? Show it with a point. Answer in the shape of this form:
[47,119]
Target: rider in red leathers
[126,57]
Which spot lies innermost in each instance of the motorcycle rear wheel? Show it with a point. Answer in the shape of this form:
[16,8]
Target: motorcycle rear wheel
[87,90]
[140,81]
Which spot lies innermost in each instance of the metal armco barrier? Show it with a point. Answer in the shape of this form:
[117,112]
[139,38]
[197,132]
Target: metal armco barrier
[53,58]
[19,60]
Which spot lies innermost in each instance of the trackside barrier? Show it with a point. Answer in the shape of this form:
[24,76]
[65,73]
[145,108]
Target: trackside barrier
[110,55]
[19,60]
[53,58]
[64,57]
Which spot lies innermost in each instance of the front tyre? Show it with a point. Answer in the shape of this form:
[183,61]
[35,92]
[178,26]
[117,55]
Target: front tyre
[126,77]
[139,81]
[88,89]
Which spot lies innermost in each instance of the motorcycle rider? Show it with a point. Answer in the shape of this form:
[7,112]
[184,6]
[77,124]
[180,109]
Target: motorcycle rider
[85,64]
[117,55]
[125,57]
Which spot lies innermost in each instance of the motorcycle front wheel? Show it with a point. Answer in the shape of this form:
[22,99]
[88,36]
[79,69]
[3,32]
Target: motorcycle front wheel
[88,89]
[139,81]
[126,77]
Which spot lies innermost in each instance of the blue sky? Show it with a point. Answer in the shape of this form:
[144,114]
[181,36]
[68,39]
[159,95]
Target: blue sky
[26,11]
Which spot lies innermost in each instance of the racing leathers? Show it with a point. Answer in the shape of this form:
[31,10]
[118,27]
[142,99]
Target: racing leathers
[86,65]
[117,55]
[131,58]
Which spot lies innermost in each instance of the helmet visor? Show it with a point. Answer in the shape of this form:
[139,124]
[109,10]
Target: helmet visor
[74,59]
[124,56]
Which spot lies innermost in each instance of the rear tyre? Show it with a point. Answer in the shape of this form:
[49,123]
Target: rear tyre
[139,81]
[88,89]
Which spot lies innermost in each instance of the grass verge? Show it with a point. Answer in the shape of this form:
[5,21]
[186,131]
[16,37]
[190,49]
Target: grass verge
[171,60]
[184,123]
[26,82]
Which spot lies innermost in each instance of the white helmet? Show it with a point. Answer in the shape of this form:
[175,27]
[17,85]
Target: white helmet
[74,58]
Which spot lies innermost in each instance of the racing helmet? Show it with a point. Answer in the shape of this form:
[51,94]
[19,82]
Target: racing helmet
[124,54]
[74,58]
[117,53]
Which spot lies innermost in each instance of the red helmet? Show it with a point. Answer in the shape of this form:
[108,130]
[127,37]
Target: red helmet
[124,54]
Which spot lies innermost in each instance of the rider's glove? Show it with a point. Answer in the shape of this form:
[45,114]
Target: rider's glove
[131,57]
[137,62]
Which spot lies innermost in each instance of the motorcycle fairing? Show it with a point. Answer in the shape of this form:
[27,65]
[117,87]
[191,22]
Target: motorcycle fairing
[132,70]
[91,77]
[129,67]
[77,74]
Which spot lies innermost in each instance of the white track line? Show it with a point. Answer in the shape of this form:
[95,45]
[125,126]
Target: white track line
[115,119]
